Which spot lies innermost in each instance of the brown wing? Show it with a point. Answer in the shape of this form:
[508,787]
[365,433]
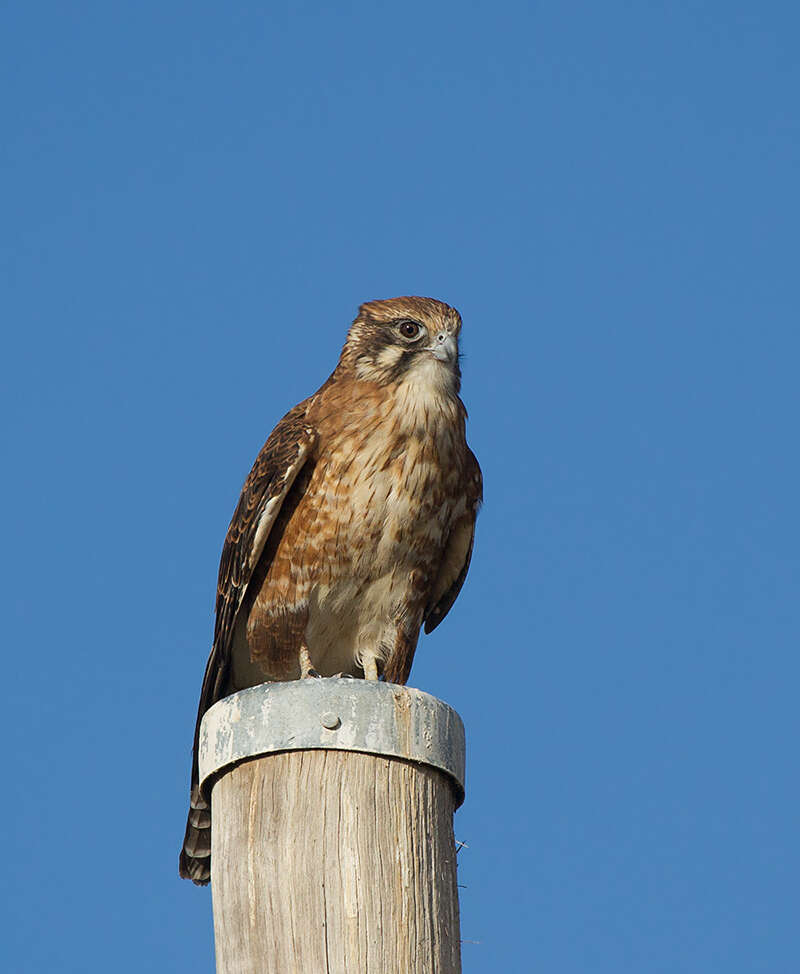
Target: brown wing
[275,470]
[458,550]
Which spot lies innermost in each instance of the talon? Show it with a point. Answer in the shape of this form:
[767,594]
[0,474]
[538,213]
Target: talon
[310,673]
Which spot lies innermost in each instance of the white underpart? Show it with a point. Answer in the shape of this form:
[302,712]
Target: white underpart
[348,623]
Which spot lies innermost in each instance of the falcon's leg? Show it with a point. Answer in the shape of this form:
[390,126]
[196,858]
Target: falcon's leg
[306,667]
[370,664]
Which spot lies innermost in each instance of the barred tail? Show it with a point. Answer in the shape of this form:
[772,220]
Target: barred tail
[195,860]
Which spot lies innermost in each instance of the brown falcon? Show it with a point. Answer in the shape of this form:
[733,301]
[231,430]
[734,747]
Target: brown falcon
[354,526]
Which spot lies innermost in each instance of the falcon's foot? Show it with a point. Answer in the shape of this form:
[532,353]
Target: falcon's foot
[306,667]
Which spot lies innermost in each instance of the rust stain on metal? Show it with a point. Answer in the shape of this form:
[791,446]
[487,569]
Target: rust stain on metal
[402,716]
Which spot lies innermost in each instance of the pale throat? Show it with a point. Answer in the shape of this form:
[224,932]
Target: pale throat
[427,395]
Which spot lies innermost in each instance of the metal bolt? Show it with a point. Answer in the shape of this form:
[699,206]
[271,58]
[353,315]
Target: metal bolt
[330,720]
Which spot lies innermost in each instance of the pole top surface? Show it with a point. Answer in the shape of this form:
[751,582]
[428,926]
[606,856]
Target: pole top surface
[336,713]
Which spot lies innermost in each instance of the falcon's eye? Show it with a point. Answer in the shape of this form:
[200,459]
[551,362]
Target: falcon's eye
[410,330]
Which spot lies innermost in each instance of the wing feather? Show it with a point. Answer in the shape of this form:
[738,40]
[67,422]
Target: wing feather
[274,471]
[457,552]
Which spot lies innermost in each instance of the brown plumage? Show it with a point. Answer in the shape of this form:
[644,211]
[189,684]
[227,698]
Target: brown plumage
[354,527]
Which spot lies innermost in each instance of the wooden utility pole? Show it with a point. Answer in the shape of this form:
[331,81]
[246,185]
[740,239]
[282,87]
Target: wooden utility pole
[332,829]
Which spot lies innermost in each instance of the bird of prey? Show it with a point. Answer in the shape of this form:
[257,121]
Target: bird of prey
[354,527]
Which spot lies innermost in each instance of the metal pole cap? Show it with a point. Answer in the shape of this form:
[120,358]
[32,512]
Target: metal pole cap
[336,713]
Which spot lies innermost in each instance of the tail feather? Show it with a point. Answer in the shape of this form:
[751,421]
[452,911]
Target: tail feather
[195,858]
[200,818]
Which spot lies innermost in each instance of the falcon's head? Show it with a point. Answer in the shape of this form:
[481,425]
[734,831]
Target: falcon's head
[405,338]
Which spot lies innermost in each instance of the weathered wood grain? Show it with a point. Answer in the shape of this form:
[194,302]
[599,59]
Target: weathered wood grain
[334,862]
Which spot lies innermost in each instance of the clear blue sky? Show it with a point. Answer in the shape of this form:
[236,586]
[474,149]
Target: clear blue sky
[196,197]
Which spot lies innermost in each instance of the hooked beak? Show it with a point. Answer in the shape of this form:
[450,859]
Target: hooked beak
[444,347]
